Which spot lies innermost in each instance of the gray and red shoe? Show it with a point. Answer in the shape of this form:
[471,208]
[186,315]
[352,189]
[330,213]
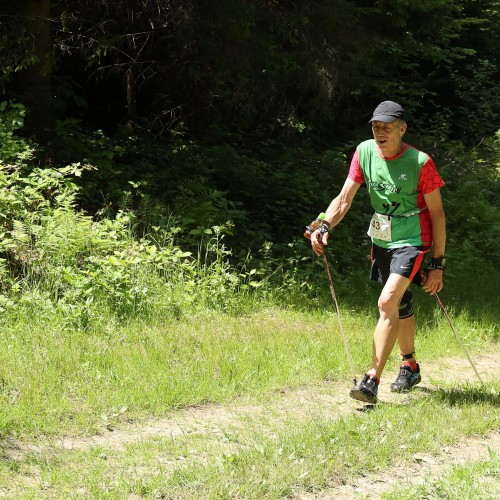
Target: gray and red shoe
[406,379]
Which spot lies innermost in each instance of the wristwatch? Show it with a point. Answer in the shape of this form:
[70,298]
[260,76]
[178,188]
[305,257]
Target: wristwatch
[437,263]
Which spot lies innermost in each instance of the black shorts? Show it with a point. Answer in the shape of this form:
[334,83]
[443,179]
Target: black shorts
[405,261]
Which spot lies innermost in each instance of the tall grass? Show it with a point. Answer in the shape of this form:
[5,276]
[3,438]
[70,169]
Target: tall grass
[102,323]
[57,379]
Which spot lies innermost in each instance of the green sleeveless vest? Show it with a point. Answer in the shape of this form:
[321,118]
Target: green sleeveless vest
[392,186]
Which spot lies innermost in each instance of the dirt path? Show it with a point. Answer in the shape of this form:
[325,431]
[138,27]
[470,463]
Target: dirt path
[372,486]
[318,400]
[328,398]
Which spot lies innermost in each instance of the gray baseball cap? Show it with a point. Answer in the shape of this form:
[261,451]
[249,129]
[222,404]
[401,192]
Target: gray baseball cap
[388,111]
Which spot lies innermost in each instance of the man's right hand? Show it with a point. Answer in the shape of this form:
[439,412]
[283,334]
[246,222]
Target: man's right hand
[317,232]
[319,240]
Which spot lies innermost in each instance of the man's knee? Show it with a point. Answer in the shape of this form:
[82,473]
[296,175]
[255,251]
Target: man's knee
[406,305]
[387,304]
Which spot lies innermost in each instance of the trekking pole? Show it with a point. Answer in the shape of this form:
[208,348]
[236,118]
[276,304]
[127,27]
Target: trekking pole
[341,326]
[459,340]
[309,230]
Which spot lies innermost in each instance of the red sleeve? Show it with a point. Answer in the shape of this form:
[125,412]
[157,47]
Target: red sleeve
[355,173]
[429,178]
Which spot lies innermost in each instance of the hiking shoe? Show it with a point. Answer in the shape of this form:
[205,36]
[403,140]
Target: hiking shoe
[366,390]
[406,379]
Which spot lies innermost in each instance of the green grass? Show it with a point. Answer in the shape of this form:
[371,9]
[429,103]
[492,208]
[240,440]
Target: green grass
[478,480]
[76,377]
[262,460]
[56,381]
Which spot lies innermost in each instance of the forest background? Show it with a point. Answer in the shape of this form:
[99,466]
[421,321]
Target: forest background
[154,149]
[159,161]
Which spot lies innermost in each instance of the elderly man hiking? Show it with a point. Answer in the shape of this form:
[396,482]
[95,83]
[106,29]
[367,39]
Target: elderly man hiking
[408,222]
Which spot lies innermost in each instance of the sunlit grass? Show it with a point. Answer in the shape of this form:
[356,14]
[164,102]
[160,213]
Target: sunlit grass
[479,480]
[56,381]
[59,380]
[264,459]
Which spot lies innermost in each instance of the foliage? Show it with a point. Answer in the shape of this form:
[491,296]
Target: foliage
[16,44]
[204,241]
[242,71]
[57,260]
[471,194]
[200,185]
[240,61]
[13,149]
[474,91]
[271,67]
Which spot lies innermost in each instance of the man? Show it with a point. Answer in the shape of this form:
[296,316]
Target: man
[409,221]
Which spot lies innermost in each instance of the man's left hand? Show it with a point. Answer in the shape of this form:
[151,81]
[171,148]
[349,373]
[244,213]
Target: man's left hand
[434,281]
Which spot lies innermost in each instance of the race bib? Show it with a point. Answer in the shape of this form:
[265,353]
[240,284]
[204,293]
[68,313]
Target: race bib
[380,227]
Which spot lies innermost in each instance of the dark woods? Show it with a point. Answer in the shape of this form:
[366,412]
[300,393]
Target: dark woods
[241,111]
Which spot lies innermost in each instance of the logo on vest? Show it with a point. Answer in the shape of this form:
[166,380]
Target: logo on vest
[402,177]
[383,186]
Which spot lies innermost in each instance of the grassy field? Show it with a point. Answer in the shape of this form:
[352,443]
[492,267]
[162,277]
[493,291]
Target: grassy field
[262,460]
[58,382]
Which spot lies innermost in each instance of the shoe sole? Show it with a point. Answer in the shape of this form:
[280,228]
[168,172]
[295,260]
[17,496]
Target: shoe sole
[361,396]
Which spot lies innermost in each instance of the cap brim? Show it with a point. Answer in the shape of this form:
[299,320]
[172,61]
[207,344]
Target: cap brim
[383,118]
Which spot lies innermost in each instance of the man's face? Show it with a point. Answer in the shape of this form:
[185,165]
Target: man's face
[388,136]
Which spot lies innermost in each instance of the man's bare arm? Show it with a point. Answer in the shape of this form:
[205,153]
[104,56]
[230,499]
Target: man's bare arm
[335,213]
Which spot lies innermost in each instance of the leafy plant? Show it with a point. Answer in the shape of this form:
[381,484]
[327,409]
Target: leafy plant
[13,149]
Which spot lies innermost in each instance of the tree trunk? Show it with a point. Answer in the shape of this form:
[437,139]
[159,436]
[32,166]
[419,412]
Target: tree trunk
[35,80]
[131,94]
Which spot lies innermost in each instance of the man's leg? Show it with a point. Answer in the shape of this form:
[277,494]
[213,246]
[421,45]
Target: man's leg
[406,335]
[387,330]
[409,371]
[384,337]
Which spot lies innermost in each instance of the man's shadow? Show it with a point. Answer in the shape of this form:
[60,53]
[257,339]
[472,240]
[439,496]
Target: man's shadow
[464,395]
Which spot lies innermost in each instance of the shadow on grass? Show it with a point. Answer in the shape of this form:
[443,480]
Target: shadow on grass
[367,407]
[464,395]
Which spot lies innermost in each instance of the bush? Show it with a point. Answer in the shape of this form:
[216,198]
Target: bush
[219,229]
[13,149]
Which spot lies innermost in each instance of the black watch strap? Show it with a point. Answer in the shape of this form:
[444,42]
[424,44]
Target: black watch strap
[437,263]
